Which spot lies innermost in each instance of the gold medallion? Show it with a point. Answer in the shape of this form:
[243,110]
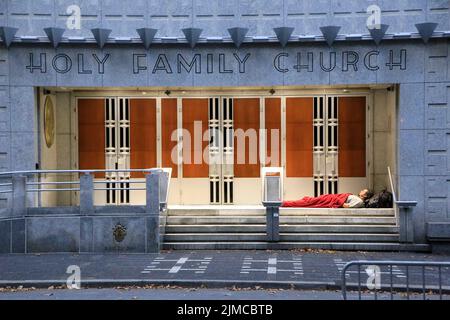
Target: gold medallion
[49,122]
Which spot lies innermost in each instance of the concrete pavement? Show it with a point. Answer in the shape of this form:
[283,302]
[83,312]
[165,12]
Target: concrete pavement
[306,270]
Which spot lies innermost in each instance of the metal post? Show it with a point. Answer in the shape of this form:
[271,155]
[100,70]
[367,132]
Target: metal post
[272,221]
[87,194]
[152,206]
[19,196]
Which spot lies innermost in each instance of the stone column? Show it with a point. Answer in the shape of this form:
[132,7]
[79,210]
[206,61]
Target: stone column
[87,194]
[406,225]
[19,196]
[152,208]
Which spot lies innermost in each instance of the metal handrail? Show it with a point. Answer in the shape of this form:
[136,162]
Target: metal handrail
[26,172]
[394,195]
[400,203]
[407,264]
[40,186]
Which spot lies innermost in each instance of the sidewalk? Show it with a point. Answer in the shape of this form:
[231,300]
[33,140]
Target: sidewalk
[212,269]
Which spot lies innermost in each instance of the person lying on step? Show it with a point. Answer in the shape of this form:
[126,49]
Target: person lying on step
[342,200]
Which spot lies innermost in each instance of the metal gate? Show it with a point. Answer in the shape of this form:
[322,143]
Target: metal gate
[326,151]
[117,149]
[221,150]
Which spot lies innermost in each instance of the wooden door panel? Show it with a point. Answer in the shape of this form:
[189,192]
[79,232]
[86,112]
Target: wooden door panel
[143,151]
[352,137]
[91,135]
[273,124]
[169,126]
[195,153]
[299,137]
[246,153]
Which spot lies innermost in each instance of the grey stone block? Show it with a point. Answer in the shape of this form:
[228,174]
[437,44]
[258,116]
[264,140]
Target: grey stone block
[85,70]
[18,236]
[304,65]
[86,234]
[133,242]
[153,234]
[163,69]
[412,188]
[404,66]
[261,74]
[410,150]
[439,231]
[436,61]
[345,71]
[59,234]
[42,73]
[23,113]
[123,67]
[5,236]
[23,155]
[412,106]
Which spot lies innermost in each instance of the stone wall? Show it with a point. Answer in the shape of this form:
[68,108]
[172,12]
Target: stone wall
[423,129]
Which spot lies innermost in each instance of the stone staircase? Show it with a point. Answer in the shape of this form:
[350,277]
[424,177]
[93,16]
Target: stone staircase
[214,228]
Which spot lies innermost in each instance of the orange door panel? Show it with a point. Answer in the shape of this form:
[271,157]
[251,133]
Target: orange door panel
[142,135]
[91,134]
[195,153]
[352,137]
[168,128]
[299,137]
[246,140]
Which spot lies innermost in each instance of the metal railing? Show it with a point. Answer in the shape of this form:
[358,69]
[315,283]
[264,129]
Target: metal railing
[24,183]
[411,280]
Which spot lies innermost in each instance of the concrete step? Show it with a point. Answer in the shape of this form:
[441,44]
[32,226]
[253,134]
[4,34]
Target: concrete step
[300,237]
[338,229]
[240,220]
[217,212]
[338,220]
[337,212]
[344,246]
[205,228]
[252,228]
[211,220]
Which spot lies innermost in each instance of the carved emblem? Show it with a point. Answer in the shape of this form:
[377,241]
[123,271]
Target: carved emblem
[119,232]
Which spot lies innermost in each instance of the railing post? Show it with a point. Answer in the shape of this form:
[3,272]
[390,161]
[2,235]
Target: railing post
[19,196]
[86,194]
[152,206]
[272,221]
[406,225]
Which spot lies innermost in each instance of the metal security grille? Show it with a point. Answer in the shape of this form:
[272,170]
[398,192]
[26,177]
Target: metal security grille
[221,150]
[325,150]
[117,126]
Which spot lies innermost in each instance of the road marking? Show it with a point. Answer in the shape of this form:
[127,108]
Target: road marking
[178,265]
[272,266]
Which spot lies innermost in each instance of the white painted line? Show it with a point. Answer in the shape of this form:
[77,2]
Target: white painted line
[272,266]
[175,269]
[178,265]
[272,270]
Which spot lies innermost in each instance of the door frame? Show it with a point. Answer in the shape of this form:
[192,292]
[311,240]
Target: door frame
[230,93]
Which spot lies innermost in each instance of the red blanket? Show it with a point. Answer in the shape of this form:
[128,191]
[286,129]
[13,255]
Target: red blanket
[325,201]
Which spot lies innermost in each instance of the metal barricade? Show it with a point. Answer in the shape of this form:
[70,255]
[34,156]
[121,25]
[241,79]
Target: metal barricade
[414,282]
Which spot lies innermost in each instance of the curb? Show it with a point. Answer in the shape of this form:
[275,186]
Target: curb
[213,284]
